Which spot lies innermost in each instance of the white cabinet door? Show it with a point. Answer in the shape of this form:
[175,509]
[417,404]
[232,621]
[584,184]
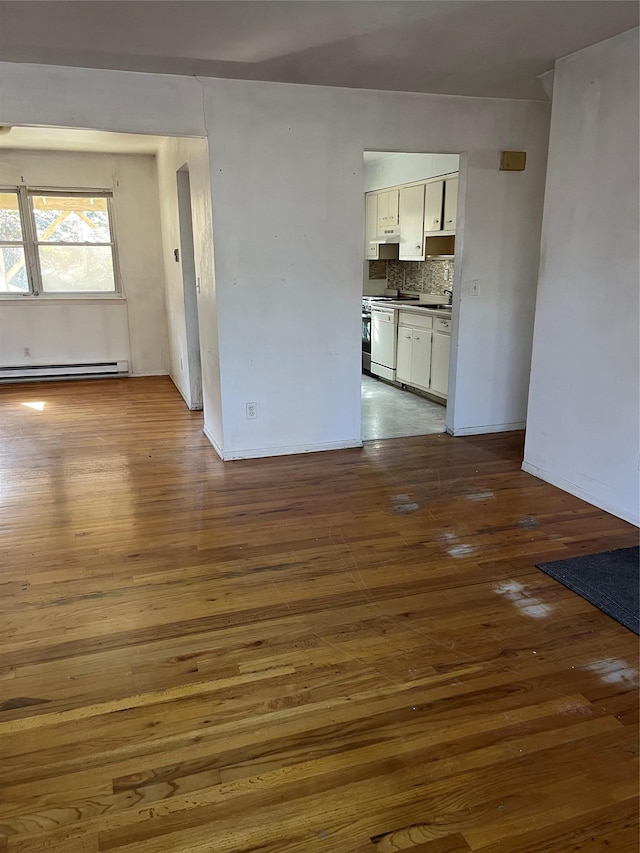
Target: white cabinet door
[450,204]
[433,206]
[388,202]
[394,202]
[403,363]
[383,211]
[371,248]
[421,358]
[440,362]
[412,223]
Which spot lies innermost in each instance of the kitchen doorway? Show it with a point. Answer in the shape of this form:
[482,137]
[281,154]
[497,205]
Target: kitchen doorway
[190,287]
[410,210]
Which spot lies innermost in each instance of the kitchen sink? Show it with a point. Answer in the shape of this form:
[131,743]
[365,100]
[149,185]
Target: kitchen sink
[422,306]
[441,308]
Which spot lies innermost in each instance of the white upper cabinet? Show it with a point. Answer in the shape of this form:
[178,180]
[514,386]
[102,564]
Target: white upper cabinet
[406,213]
[411,223]
[371,248]
[450,204]
[388,210]
[434,193]
[441,203]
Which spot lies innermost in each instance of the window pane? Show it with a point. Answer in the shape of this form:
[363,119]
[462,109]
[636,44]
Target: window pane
[77,269]
[71,219]
[13,272]
[10,226]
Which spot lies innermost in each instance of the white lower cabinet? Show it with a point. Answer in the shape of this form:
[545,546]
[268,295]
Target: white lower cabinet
[441,343]
[403,358]
[413,366]
[421,358]
[423,352]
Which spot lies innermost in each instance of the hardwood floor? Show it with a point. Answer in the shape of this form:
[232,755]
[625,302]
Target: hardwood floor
[348,652]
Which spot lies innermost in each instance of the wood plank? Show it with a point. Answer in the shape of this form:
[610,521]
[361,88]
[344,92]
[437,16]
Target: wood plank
[266,655]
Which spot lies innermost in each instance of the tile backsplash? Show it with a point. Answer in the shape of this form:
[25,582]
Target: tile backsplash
[377,270]
[418,276]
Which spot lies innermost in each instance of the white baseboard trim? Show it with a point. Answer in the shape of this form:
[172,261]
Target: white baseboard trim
[213,442]
[139,374]
[583,494]
[264,452]
[487,429]
[385,372]
[179,390]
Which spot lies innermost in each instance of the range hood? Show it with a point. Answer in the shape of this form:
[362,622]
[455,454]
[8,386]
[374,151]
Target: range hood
[389,235]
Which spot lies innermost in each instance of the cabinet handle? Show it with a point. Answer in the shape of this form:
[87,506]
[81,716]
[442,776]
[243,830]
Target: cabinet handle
[417,337]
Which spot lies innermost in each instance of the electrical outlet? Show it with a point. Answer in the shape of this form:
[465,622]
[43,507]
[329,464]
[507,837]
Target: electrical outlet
[252,411]
[27,352]
[446,274]
[474,289]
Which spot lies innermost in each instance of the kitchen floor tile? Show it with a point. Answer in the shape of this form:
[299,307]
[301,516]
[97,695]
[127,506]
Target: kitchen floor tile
[388,412]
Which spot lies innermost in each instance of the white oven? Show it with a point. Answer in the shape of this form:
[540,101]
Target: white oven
[384,337]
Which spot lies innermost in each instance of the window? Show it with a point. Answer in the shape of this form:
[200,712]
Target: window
[56,242]
[13,268]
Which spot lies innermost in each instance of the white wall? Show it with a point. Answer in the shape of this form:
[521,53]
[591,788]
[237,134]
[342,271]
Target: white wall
[406,168]
[286,166]
[287,179]
[158,104]
[174,154]
[65,331]
[583,424]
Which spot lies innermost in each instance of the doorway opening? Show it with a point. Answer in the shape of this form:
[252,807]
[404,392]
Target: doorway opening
[408,291]
[190,287]
[113,212]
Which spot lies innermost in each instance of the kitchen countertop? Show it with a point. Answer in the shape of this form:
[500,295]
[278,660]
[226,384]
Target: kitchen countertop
[402,305]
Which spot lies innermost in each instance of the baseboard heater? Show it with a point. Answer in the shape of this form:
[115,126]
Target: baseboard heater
[65,371]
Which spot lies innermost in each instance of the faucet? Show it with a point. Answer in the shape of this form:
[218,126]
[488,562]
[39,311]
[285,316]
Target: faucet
[450,292]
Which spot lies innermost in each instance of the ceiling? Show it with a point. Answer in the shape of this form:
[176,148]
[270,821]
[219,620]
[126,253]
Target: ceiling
[467,47]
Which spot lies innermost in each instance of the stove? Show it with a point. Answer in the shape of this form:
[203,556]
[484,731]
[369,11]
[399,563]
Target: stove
[367,300]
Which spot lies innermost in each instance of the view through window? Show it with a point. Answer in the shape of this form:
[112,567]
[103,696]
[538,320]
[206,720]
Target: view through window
[56,243]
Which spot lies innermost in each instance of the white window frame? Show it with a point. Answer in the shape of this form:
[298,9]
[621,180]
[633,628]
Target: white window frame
[31,244]
[23,213]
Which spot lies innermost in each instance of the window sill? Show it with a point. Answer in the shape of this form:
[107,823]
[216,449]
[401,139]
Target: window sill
[62,297]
